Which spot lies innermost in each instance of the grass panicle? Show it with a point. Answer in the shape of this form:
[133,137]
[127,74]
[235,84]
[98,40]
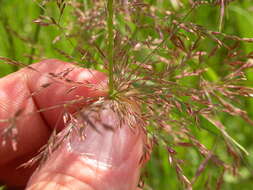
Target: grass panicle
[163,74]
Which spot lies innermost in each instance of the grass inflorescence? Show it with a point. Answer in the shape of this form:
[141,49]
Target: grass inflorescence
[160,61]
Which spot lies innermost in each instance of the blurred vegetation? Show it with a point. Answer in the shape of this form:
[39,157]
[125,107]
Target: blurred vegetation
[26,41]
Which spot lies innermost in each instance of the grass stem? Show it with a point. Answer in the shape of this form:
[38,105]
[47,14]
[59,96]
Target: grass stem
[110,44]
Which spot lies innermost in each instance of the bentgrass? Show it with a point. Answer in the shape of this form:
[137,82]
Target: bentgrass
[155,70]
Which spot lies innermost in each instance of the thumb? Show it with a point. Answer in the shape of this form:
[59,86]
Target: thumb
[107,159]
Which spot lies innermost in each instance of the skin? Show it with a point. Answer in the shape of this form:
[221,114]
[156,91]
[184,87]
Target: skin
[67,168]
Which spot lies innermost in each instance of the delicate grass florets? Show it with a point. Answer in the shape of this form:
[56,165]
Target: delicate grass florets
[162,81]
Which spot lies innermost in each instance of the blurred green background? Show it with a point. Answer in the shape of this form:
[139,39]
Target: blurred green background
[20,37]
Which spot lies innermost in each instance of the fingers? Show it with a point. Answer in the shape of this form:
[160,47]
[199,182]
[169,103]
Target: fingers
[104,160]
[62,91]
[35,127]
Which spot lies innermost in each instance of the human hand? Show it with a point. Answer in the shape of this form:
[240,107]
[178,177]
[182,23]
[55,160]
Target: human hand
[64,169]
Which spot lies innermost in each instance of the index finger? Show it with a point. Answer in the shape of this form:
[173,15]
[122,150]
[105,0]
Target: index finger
[25,90]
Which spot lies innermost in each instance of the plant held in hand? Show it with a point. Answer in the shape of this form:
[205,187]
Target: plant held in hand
[161,87]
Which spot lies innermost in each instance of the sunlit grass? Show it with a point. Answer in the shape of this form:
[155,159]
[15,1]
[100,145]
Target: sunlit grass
[160,174]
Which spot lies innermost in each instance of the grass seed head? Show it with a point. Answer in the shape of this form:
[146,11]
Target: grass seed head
[162,79]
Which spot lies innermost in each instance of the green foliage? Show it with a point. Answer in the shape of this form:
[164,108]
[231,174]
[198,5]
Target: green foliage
[21,38]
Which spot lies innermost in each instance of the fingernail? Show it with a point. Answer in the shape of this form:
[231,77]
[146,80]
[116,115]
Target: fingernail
[106,143]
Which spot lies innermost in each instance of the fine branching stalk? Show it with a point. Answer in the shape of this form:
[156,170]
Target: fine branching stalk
[162,73]
[35,38]
[110,44]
